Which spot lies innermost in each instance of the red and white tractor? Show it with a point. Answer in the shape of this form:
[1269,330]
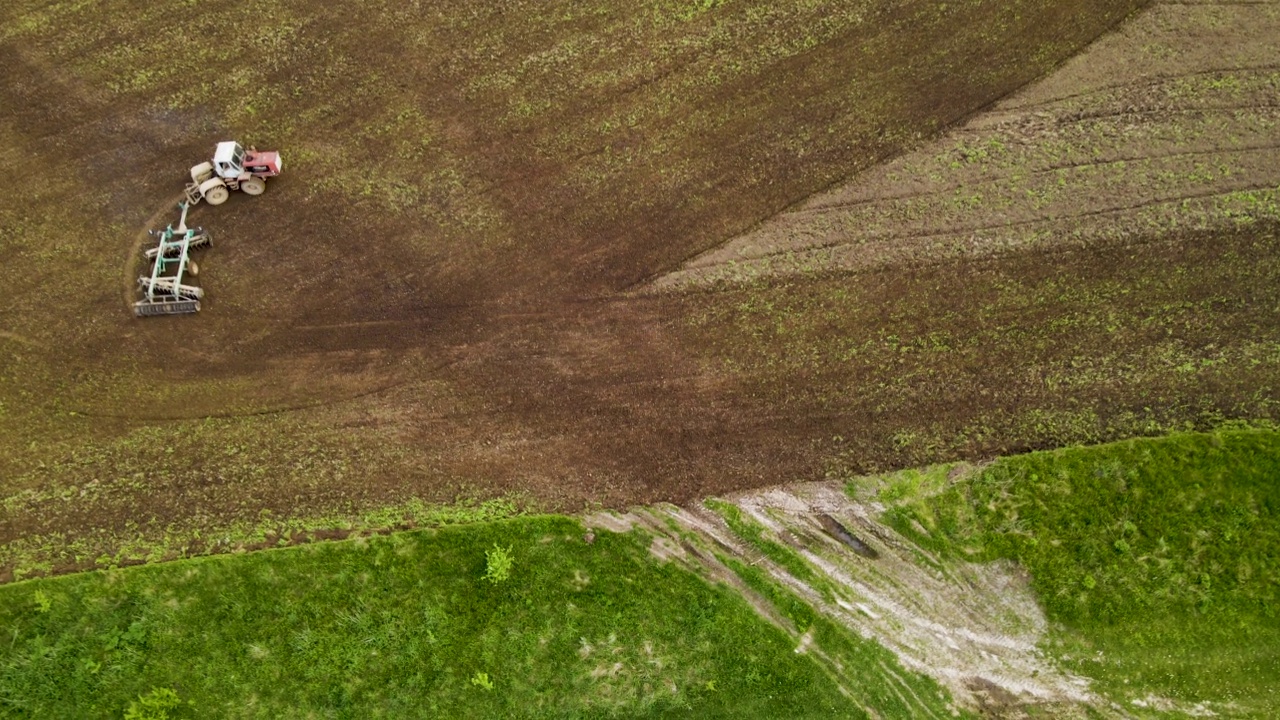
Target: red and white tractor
[232,168]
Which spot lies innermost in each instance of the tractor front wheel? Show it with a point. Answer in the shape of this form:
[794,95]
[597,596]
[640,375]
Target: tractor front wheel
[253,186]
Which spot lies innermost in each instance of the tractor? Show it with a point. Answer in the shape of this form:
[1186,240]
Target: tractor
[233,168]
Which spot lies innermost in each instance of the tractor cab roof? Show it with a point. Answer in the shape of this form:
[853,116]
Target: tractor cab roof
[228,152]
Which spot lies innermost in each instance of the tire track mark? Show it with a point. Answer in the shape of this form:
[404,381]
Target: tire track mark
[1024,223]
[1044,171]
[22,340]
[1153,83]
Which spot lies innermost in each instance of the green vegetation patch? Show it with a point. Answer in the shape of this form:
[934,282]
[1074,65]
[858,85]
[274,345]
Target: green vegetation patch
[1159,559]
[518,618]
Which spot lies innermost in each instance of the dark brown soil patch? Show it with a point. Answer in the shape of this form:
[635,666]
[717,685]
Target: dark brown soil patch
[477,339]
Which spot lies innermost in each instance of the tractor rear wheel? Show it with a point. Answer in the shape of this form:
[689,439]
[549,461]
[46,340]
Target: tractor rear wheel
[217,195]
[253,186]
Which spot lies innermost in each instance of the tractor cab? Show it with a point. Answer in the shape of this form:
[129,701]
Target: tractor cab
[228,160]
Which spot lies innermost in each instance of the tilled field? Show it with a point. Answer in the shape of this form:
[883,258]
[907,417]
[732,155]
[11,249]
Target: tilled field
[448,293]
[1166,125]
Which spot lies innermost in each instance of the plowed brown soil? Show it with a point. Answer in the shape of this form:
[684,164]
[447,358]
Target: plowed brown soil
[434,299]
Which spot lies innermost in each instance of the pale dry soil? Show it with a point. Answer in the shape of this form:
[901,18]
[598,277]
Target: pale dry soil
[974,628]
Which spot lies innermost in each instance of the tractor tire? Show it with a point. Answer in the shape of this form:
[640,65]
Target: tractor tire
[214,191]
[253,186]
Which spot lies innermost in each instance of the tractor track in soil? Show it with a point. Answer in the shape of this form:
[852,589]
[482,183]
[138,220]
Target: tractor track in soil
[230,414]
[1020,106]
[948,189]
[955,230]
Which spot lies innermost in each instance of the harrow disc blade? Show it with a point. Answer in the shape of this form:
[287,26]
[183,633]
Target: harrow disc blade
[144,308]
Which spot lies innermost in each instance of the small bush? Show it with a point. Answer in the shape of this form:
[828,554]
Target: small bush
[481,679]
[498,562]
[155,705]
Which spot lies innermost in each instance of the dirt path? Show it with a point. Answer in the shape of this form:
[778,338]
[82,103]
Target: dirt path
[973,628]
[976,629]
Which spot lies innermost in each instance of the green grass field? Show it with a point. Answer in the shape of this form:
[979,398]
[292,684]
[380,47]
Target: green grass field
[418,624]
[1155,560]
[1158,560]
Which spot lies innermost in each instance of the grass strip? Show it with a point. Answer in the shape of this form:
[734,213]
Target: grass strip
[1159,559]
[516,618]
